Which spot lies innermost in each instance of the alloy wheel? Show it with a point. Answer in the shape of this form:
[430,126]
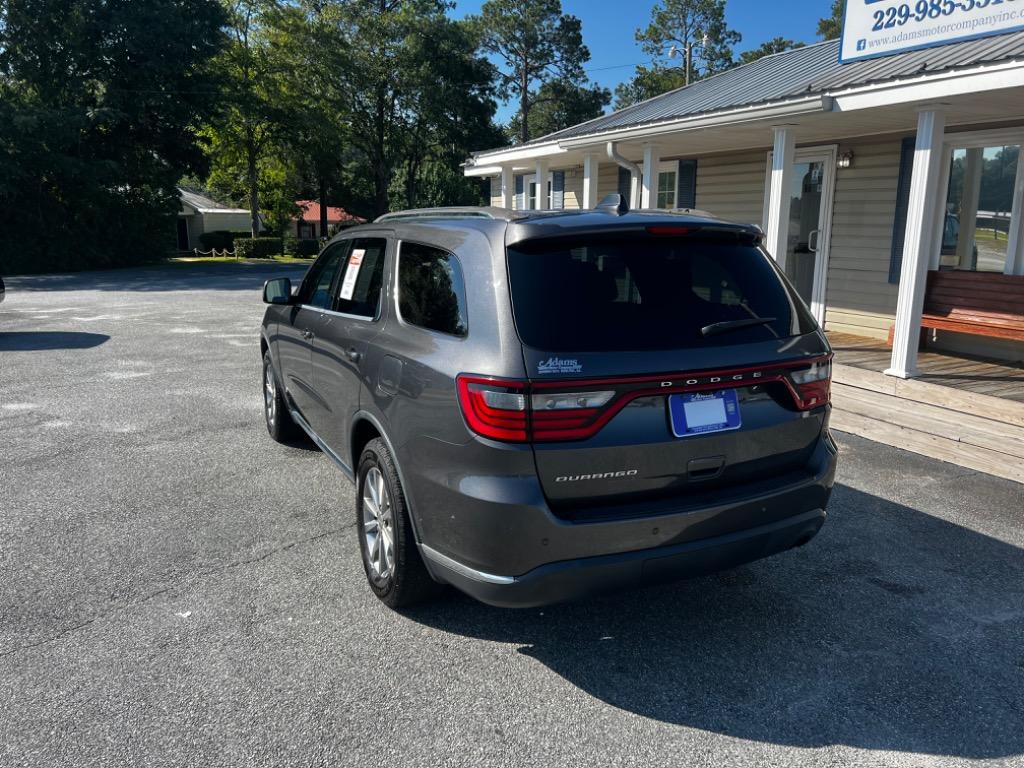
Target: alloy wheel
[270,395]
[378,525]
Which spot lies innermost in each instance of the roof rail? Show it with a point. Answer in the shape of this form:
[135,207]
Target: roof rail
[454,212]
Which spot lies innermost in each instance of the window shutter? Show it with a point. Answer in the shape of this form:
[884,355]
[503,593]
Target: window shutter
[686,184]
[520,195]
[899,227]
[557,190]
[625,184]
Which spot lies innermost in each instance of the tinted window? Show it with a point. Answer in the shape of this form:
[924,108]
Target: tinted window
[647,293]
[431,291]
[316,287]
[359,287]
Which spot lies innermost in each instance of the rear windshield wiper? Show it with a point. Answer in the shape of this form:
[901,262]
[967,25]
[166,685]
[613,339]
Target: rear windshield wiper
[731,325]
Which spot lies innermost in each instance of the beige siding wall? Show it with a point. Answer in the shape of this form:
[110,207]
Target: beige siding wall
[607,180]
[859,297]
[732,186]
[573,188]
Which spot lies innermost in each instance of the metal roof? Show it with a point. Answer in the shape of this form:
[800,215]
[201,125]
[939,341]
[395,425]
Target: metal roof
[807,71]
[203,203]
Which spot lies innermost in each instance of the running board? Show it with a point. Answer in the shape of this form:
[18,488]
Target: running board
[297,418]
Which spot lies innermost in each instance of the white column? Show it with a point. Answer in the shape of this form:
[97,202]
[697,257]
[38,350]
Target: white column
[939,225]
[1015,238]
[541,177]
[649,181]
[508,187]
[969,206]
[779,198]
[918,241]
[591,174]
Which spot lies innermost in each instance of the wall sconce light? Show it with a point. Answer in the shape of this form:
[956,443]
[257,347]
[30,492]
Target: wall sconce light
[845,160]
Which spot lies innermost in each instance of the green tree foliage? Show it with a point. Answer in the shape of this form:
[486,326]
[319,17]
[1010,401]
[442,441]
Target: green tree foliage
[313,132]
[406,83]
[775,45]
[97,102]
[534,43]
[678,24]
[559,104]
[250,119]
[831,27]
[449,107]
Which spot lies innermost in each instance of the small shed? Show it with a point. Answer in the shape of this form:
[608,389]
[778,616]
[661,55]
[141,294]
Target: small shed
[200,213]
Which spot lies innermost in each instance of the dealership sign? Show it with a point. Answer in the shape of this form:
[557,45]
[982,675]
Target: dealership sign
[883,27]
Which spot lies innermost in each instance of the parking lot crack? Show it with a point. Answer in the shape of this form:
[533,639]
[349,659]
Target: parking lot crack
[276,550]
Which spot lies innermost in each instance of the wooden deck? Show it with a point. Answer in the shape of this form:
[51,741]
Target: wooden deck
[969,374]
[965,411]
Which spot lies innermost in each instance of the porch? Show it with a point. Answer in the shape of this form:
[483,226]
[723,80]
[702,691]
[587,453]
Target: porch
[962,409]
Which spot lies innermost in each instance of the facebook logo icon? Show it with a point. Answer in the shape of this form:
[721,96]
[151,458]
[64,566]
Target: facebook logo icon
[862,44]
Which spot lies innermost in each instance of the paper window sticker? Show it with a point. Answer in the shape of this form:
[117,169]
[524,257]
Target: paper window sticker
[355,262]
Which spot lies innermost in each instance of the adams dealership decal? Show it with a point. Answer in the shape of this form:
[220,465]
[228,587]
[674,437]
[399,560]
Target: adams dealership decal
[883,27]
[559,365]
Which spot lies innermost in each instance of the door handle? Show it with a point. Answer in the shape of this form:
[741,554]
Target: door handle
[307,334]
[812,237]
[353,354]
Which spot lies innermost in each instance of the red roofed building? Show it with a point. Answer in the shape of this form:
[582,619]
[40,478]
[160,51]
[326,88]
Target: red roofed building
[308,226]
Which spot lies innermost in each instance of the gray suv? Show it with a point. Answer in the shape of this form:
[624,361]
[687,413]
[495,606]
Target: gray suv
[537,406]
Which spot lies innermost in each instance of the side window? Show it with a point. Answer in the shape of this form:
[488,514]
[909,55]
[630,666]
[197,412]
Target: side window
[359,288]
[316,288]
[431,291]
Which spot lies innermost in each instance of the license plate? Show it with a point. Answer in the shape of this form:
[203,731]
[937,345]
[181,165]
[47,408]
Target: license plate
[698,413]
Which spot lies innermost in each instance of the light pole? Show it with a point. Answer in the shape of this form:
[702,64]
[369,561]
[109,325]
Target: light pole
[687,51]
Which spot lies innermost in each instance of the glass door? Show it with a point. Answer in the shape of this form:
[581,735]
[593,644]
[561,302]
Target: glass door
[810,216]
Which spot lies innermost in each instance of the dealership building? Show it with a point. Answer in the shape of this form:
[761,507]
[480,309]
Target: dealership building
[888,188]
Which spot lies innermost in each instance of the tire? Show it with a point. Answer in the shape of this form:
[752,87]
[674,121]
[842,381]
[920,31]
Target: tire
[279,421]
[395,573]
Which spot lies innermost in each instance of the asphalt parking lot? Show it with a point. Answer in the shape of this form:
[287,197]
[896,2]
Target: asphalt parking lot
[178,590]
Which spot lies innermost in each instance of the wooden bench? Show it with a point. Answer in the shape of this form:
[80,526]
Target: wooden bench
[979,303]
[982,303]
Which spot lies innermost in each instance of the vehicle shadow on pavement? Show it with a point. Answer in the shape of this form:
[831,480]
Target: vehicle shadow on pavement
[37,341]
[892,630]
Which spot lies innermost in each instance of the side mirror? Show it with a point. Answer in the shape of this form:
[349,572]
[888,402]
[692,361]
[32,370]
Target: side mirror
[277,291]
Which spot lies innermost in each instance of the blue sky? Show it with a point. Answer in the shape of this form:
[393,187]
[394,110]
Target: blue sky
[608,29]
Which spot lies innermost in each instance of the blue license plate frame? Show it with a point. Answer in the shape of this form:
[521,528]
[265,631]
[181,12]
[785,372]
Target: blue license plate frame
[703,413]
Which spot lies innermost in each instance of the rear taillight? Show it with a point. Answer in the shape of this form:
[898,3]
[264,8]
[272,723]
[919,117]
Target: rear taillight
[563,415]
[812,384]
[520,411]
[494,408]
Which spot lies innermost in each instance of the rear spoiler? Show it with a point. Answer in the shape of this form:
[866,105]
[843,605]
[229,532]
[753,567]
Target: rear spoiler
[550,231]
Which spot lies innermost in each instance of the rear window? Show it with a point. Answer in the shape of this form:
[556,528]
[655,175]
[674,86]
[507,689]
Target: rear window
[646,293]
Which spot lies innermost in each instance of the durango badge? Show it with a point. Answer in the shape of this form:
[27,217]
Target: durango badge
[559,365]
[598,476]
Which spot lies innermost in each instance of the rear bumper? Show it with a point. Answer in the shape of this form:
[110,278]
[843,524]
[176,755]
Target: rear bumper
[572,579]
[490,532]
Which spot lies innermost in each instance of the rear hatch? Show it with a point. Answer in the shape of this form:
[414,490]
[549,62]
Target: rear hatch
[664,362]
